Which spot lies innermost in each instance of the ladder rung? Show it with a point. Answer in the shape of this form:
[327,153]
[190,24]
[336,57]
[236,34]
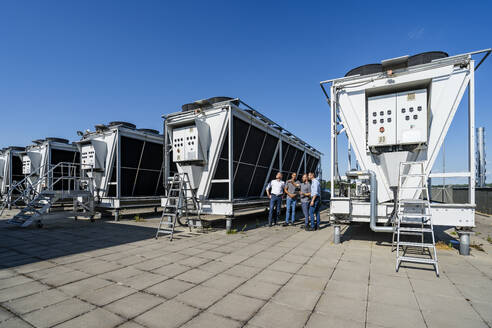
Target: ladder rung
[416,260]
[414,244]
[414,201]
[169,214]
[164,231]
[414,215]
[412,229]
[410,233]
[413,175]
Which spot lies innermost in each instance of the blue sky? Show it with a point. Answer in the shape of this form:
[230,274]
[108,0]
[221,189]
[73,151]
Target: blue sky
[67,65]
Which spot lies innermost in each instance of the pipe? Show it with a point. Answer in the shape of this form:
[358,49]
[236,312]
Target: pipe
[373,197]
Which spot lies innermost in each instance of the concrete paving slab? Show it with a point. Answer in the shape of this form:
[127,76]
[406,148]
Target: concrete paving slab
[341,308]
[210,320]
[318,320]
[36,301]
[237,307]
[171,270]
[201,296]
[14,322]
[195,276]
[243,271]
[257,289]
[386,315]
[131,324]
[98,318]
[224,282]
[301,299]
[21,290]
[84,286]
[58,313]
[274,315]
[134,305]
[170,288]
[13,281]
[143,280]
[107,294]
[170,314]
[4,314]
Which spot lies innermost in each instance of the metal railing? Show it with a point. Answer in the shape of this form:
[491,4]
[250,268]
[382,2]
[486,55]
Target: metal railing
[63,177]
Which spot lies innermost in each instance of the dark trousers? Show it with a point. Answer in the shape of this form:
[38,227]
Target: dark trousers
[314,211]
[275,202]
[305,211]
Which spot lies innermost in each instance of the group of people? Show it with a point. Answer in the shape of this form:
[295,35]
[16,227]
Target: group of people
[308,192]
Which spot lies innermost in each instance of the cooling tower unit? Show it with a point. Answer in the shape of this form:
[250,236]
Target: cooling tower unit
[10,169]
[400,112]
[230,152]
[43,155]
[126,165]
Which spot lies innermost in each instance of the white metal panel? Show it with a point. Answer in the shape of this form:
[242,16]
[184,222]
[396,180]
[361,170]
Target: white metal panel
[26,165]
[88,156]
[186,144]
[411,121]
[381,122]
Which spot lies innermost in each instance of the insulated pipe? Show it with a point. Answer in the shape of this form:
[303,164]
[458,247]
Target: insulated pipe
[373,198]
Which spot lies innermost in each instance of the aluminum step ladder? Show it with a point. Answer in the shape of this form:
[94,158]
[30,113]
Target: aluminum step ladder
[180,201]
[414,217]
[36,208]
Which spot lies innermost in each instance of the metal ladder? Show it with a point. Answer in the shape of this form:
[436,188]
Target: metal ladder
[72,185]
[180,196]
[39,206]
[414,217]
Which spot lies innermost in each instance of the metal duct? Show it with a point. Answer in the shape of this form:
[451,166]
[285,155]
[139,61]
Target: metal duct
[373,198]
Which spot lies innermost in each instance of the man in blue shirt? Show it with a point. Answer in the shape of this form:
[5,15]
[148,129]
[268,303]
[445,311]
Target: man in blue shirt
[314,206]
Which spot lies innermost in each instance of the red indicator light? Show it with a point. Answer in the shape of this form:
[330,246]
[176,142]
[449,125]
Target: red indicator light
[381,129]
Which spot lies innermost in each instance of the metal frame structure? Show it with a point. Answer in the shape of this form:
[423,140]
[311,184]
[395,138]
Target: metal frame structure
[44,154]
[449,77]
[107,169]
[7,175]
[481,163]
[216,124]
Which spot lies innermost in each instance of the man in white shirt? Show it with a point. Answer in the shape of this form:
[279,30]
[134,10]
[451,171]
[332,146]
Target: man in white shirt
[275,190]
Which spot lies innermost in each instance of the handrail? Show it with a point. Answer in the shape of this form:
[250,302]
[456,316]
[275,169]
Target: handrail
[72,174]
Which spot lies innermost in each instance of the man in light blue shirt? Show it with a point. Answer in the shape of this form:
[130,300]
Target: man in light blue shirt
[314,206]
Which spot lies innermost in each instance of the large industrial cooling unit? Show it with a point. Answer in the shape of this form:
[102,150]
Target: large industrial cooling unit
[230,152]
[126,164]
[42,156]
[10,168]
[399,111]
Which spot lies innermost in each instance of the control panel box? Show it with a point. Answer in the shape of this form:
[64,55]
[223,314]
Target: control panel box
[397,119]
[26,165]
[381,122]
[88,156]
[412,123]
[186,144]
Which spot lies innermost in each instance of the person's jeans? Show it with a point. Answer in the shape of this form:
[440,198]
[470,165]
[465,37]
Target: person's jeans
[305,211]
[291,210]
[314,210]
[275,202]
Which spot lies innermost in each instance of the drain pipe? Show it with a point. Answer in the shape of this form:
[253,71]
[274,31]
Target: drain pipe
[373,197]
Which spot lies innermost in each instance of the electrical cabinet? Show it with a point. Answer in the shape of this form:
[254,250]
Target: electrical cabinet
[26,165]
[88,156]
[381,120]
[412,117]
[186,144]
[397,118]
